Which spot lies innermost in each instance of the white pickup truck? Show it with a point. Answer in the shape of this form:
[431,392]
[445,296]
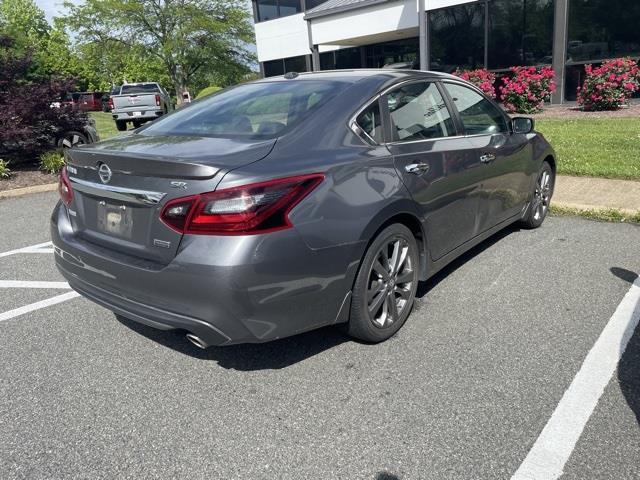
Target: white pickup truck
[139,103]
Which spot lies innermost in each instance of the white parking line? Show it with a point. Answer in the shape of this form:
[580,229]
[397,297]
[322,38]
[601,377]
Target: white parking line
[38,248]
[552,449]
[16,312]
[35,284]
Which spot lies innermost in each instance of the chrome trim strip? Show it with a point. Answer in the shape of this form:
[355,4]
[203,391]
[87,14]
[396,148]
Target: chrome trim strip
[131,195]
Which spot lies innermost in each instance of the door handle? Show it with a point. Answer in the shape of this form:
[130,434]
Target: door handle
[417,168]
[487,158]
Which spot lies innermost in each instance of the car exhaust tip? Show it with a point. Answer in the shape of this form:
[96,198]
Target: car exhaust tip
[197,341]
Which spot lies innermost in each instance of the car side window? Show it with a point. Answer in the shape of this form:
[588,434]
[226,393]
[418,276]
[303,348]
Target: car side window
[369,121]
[418,112]
[479,116]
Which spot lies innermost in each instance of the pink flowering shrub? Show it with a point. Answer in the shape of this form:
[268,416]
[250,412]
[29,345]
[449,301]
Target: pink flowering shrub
[609,86]
[527,89]
[481,78]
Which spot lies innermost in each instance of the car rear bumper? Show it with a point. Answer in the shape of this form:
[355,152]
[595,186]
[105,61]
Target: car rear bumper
[225,290]
[144,115]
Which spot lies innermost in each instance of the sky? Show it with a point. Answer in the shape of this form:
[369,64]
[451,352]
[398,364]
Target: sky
[51,7]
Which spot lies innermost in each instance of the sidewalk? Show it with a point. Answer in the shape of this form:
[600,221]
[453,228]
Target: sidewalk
[588,193]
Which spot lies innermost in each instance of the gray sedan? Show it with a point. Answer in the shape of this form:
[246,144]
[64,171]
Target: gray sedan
[295,202]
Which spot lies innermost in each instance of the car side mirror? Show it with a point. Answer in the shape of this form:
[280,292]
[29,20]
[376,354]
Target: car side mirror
[522,125]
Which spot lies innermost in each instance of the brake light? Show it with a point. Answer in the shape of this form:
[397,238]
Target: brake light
[157,100]
[245,210]
[110,103]
[64,187]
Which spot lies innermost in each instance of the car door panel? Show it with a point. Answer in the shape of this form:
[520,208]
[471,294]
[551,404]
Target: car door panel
[503,182]
[446,193]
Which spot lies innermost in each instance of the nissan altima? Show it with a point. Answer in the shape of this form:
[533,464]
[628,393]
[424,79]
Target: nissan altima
[291,203]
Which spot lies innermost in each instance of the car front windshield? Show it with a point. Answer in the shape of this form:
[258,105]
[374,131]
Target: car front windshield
[257,110]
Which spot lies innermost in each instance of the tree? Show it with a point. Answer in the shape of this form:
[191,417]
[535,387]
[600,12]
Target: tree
[192,39]
[29,125]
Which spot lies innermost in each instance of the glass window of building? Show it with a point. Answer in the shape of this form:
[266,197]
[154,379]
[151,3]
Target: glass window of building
[270,9]
[273,68]
[295,64]
[267,9]
[479,116]
[348,58]
[601,29]
[418,112]
[327,61]
[520,33]
[457,37]
[281,66]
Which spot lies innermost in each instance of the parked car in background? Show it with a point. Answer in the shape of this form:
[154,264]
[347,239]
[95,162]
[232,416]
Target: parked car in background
[74,138]
[295,202]
[139,103]
[90,101]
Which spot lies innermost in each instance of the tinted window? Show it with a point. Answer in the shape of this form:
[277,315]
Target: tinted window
[369,121]
[457,37]
[478,114]
[418,112]
[520,32]
[267,9]
[295,64]
[273,68]
[600,29]
[146,88]
[270,9]
[289,7]
[261,110]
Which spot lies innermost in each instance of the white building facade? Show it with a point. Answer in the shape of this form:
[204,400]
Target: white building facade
[444,35]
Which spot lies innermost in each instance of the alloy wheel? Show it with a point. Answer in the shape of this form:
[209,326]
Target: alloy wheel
[389,283]
[542,195]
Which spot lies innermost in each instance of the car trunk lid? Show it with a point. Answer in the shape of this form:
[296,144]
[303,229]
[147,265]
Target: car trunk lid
[120,187]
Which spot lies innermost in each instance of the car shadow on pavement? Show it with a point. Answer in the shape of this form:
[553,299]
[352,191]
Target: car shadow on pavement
[629,365]
[426,287]
[248,357]
[288,351]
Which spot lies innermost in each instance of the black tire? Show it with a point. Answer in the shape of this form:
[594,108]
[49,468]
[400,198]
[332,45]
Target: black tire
[540,197]
[401,286]
[121,125]
[72,138]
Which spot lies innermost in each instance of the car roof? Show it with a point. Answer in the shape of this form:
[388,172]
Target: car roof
[355,75]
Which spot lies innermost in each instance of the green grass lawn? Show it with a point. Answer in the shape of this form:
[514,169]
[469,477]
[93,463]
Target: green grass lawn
[608,147]
[104,124]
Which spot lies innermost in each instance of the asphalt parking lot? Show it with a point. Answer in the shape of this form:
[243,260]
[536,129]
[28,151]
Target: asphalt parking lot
[490,355]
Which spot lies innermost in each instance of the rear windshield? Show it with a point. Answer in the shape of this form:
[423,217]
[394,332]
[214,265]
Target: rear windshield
[258,110]
[148,88]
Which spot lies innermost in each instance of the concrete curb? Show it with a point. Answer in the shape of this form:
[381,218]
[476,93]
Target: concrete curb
[592,208]
[18,192]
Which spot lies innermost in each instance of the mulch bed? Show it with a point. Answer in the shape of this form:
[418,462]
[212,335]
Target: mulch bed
[27,177]
[572,111]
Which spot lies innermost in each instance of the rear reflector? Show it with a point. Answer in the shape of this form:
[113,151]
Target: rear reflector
[248,209]
[64,187]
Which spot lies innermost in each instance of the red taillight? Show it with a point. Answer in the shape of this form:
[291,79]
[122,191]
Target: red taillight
[249,209]
[110,103]
[157,100]
[64,187]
